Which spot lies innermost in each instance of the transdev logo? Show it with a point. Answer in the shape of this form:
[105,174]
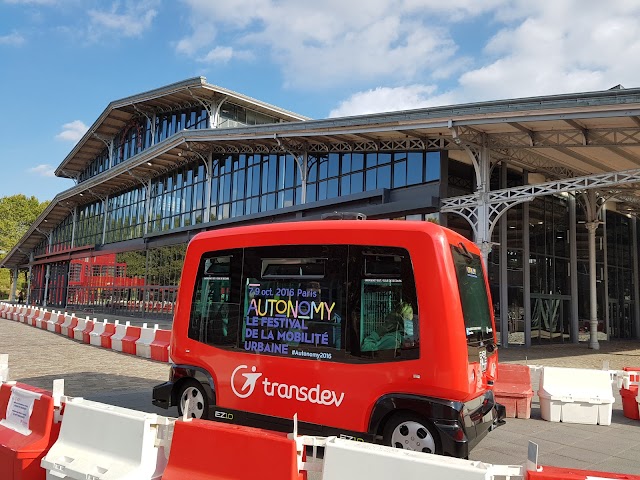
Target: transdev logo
[285,391]
[249,384]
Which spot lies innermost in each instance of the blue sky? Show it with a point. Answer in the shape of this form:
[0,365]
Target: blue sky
[63,61]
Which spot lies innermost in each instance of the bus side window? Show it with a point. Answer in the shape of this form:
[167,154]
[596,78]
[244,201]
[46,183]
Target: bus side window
[215,306]
[383,304]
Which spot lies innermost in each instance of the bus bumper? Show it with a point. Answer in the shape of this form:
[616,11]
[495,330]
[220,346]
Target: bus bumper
[476,418]
[162,395]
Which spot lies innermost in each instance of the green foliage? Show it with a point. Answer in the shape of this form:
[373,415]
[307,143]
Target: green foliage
[17,213]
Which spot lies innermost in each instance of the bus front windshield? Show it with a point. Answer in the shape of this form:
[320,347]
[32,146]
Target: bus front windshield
[473,295]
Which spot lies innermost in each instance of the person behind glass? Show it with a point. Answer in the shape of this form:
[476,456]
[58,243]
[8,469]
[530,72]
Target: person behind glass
[387,336]
[21,297]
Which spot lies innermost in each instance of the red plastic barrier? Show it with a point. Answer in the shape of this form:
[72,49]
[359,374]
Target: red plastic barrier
[160,346]
[105,337]
[272,454]
[87,330]
[629,397]
[70,328]
[557,473]
[512,389]
[59,322]
[129,340]
[21,453]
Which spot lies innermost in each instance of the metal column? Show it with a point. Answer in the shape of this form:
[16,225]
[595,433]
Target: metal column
[105,211]
[573,269]
[504,272]
[605,273]
[73,226]
[46,285]
[147,207]
[207,193]
[636,279]
[526,272]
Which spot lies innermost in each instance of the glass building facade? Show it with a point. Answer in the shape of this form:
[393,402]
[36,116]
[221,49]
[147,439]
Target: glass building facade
[145,282]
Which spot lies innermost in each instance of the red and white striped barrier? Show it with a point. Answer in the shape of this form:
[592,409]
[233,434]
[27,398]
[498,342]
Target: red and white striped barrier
[116,338]
[143,344]
[86,331]
[141,341]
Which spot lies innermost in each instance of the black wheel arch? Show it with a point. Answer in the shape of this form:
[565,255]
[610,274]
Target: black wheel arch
[433,409]
[182,373]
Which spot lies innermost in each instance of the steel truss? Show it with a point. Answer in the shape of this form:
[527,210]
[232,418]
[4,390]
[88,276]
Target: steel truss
[493,204]
[577,137]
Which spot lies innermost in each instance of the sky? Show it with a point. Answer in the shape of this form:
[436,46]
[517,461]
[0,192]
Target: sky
[63,61]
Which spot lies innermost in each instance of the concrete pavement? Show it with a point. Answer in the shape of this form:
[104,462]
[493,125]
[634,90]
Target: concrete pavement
[37,357]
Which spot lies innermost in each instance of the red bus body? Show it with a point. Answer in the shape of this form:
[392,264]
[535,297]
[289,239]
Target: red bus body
[444,382]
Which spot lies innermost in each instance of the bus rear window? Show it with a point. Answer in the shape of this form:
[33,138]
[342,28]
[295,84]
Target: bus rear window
[473,295]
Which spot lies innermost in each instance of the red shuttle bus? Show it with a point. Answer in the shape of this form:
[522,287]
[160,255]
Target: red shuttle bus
[372,330]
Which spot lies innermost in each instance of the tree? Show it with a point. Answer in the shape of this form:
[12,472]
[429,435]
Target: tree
[17,213]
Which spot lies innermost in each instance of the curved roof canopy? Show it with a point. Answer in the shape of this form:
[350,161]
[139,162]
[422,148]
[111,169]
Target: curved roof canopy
[192,92]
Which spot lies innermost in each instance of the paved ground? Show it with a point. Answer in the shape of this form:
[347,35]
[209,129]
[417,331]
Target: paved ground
[37,357]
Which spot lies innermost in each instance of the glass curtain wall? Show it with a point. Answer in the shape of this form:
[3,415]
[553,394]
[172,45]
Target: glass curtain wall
[177,199]
[126,215]
[247,184]
[620,275]
[549,264]
[90,224]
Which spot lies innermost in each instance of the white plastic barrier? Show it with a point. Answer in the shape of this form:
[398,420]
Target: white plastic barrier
[94,336]
[576,395]
[64,328]
[77,332]
[143,344]
[39,317]
[116,338]
[349,459]
[103,442]
[4,367]
[51,323]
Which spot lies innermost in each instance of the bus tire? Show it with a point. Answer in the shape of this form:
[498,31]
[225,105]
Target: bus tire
[198,401]
[411,431]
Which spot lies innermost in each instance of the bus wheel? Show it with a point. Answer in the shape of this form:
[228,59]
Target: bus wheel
[198,402]
[410,432]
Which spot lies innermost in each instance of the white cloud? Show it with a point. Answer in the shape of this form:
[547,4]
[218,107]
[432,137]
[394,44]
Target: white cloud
[72,131]
[406,53]
[129,19]
[43,170]
[218,54]
[384,99]
[13,39]
[332,43]
[539,49]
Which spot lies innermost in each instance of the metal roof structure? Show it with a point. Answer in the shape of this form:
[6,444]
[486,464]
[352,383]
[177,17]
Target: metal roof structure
[560,137]
[191,92]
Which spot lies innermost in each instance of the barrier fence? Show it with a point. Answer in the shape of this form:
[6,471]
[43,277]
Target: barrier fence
[152,343]
[59,437]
